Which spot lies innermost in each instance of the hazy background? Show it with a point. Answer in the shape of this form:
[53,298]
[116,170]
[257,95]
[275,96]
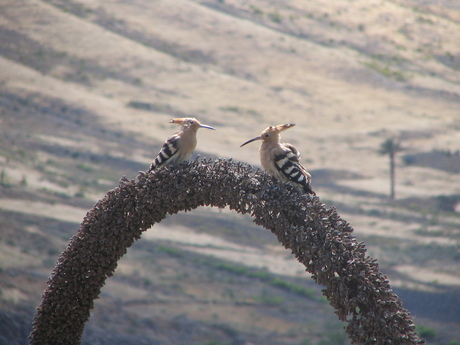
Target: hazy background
[86,92]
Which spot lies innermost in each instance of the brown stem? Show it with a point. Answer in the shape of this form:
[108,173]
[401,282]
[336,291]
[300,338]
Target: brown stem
[316,235]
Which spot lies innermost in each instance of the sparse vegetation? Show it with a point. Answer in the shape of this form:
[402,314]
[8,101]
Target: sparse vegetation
[239,110]
[387,71]
[85,168]
[275,17]
[424,20]
[256,10]
[294,288]
[231,108]
[171,251]
[4,180]
[140,105]
[69,131]
[268,299]
[336,338]
[426,332]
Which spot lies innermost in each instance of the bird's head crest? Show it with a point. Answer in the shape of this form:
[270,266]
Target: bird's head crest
[184,120]
[270,134]
[189,122]
[279,128]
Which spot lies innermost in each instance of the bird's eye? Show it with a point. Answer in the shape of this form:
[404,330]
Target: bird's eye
[267,135]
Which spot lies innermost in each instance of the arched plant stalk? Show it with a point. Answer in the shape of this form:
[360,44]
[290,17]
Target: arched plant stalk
[318,237]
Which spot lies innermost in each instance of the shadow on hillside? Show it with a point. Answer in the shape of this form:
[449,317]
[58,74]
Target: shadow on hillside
[442,306]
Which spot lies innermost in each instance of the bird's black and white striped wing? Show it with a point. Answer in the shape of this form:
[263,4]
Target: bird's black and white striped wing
[288,165]
[167,152]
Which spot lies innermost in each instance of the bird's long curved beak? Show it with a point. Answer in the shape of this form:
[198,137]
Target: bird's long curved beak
[250,141]
[206,126]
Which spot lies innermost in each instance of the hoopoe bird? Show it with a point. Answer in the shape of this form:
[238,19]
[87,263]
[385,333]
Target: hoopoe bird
[179,147]
[282,160]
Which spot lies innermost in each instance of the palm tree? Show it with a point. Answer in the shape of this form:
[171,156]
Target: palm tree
[390,147]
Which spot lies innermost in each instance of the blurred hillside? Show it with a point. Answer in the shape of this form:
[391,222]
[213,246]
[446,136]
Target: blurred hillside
[86,92]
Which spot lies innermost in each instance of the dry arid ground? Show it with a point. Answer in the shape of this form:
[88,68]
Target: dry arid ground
[86,92]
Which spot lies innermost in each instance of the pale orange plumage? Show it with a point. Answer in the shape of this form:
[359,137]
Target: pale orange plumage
[179,147]
[282,160]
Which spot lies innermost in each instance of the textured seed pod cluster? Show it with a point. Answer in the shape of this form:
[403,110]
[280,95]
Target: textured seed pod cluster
[319,238]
